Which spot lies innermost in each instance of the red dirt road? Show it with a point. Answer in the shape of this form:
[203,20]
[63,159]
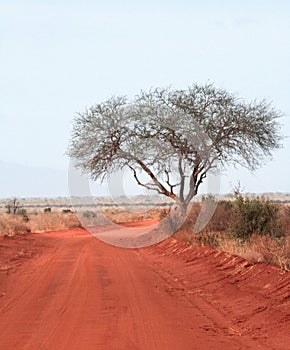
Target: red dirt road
[68,290]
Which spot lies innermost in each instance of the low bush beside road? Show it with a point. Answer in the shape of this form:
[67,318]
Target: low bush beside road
[252,227]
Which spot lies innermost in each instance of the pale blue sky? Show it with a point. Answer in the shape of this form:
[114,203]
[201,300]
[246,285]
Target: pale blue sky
[59,57]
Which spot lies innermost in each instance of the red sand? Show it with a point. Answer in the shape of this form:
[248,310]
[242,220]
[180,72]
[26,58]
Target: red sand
[68,290]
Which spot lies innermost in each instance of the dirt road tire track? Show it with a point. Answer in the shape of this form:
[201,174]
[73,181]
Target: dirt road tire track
[80,293]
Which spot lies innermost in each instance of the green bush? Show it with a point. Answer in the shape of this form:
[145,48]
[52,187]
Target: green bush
[66,211]
[22,212]
[89,214]
[256,215]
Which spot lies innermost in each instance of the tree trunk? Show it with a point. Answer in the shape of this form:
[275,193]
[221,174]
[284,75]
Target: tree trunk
[177,217]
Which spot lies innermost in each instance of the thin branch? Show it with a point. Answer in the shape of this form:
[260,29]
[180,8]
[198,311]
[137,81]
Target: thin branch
[162,189]
[168,182]
[142,184]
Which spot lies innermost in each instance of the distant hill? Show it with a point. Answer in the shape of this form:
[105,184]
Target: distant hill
[24,181]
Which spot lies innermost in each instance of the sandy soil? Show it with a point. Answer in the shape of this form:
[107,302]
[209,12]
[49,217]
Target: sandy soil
[68,290]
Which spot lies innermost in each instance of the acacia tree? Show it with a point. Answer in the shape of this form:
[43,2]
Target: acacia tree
[165,131]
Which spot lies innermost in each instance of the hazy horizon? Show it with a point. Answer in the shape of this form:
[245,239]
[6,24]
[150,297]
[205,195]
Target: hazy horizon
[43,182]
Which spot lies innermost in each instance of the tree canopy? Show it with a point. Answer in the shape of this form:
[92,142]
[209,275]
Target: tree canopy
[173,136]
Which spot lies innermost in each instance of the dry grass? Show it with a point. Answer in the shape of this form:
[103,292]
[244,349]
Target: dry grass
[258,248]
[37,222]
[52,221]
[261,249]
[285,219]
[118,215]
[11,225]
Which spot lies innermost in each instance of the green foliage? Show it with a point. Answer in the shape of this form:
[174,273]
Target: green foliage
[22,212]
[228,205]
[89,214]
[47,210]
[25,218]
[66,211]
[256,215]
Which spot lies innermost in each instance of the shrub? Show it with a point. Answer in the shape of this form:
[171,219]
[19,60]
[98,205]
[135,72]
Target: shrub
[66,211]
[53,221]
[12,225]
[22,212]
[285,219]
[89,214]
[207,239]
[25,218]
[220,220]
[256,215]
[272,251]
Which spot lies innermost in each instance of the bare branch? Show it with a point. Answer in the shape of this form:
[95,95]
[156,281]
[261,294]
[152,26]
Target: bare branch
[142,184]
[149,172]
[171,186]
[191,131]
